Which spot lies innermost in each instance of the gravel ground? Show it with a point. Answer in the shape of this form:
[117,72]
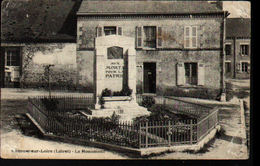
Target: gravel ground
[227,145]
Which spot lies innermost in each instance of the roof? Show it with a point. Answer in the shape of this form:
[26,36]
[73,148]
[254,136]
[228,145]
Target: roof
[238,27]
[41,20]
[146,7]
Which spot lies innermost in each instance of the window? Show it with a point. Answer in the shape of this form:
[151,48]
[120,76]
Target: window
[228,67]
[109,30]
[244,49]
[190,37]
[191,73]
[149,37]
[228,49]
[12,57]
[245,67]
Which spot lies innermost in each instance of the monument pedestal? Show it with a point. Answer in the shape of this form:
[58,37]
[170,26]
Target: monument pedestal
[115,69]
[125,106]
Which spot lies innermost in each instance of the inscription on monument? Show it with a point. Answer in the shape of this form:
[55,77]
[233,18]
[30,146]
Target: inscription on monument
[114,70]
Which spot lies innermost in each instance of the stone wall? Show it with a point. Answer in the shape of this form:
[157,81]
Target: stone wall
[35,56]
[209,30]
[208,49]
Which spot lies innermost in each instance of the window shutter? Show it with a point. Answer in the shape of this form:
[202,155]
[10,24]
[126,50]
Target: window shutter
[201,74]
[194,37]
[187,37]
[99,31]
[159,38]
[139,40]
[180,73]
[119,31]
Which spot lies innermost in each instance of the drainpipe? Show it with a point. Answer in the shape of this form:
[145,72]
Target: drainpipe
[235,63]
[223,90]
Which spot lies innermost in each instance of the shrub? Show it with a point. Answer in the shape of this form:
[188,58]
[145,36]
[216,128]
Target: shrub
[126,91]
[161,113]
[106,92]
[148,101]
[50,104]
[203,93]
[114,118]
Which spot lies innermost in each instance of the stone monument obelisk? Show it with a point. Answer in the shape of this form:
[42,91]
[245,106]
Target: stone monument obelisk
[115,69]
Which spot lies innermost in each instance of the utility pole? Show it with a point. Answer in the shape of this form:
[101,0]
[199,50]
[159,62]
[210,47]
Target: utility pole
[47,68]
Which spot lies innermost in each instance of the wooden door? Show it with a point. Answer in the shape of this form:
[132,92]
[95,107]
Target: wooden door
[149,78]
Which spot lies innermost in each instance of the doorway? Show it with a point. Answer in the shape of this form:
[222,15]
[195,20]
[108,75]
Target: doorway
[10,67]
[149,78]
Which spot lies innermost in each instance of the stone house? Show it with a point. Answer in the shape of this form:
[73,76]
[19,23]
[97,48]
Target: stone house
[238,40]
[35,34]
[179,45]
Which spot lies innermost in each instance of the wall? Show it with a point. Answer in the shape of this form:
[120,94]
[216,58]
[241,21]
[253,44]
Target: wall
[172,52]
[240,58]
[236,57]
[62,55]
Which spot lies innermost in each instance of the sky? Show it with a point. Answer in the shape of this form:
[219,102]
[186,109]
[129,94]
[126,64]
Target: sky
[237,8]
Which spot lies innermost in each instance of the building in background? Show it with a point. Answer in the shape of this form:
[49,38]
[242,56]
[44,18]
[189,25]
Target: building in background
[238,41]
[179,44]
[34,34]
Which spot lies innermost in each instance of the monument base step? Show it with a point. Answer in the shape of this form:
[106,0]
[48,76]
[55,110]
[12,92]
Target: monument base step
[126,114]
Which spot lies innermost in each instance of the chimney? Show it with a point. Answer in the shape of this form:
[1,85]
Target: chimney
[217,4]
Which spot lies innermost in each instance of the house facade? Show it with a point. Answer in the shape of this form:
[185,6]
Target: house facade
[178,44]
[35,34]
[238,41]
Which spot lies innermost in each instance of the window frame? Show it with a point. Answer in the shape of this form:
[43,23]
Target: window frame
[188,39]
[105,28]
[100,30]
[241,66]
[144,37]
[191,66]
[230,50]
[241,49]
[228,62]
[16,50]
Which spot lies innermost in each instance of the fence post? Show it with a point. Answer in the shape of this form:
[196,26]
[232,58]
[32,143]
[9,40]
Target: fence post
[169,133]
[191,132]
[146,134]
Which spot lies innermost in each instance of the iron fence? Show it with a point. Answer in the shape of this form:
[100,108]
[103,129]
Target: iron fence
[128,134]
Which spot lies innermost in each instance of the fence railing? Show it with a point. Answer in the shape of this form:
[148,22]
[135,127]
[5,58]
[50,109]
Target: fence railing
[128,134]
[206,124]
[64,103]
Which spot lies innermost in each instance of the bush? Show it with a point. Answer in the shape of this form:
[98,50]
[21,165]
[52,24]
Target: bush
[50,104]
[161,113]
[126,91]
[148,101]
[106,92]
[202,93]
